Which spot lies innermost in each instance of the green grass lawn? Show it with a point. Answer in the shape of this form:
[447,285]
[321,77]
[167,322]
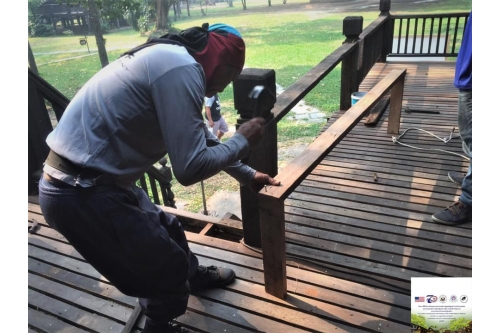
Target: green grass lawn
[290,42]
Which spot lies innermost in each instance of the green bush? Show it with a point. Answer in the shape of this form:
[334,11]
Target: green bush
[68,33]
[105,28]
[41,30]
[143,24]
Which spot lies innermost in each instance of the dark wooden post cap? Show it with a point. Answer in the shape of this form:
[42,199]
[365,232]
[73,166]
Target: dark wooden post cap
[247,81]
[385,7]
[352,28]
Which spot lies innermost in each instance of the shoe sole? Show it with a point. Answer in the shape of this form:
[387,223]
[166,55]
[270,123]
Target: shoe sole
[448,223]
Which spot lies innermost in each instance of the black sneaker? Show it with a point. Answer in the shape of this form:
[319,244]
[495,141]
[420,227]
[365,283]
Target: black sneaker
[171,327]
[457,213]
[456,177]
[211,277]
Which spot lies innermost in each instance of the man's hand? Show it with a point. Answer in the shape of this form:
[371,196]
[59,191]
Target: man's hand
[211,123]
[260,179]
[252,130]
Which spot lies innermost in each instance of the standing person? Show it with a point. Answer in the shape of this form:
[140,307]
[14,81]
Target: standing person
[461,211]
[124,119]
[214,117]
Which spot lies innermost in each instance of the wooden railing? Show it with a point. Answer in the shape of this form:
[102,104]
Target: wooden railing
[43,99]
[271,199]
[357,55]
[428,35]
[263,214]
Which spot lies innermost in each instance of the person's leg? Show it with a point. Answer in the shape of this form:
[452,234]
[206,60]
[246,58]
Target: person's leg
[215,129]
[465,129]
[461,211]
[124,237]
[222,128]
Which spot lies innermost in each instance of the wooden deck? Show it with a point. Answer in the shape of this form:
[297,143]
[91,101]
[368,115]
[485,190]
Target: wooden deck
[358,229]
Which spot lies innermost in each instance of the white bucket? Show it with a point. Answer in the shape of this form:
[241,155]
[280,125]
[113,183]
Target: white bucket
[356,96]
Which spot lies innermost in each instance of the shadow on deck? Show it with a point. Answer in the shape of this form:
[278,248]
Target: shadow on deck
[358,228]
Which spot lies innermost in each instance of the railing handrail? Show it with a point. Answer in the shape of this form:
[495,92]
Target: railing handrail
[271,198]
[287,100]
[443,15]
[297,169]
[377,24]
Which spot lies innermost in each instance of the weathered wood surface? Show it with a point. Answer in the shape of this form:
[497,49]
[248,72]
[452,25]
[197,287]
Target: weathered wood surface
[365,210]
[353,243]
[66,294]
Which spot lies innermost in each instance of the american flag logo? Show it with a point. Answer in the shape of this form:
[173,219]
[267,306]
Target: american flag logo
[419,299]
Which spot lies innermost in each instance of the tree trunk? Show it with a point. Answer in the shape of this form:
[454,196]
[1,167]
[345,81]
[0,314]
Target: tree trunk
[31,59]
[244,3]
[187,7]
[99,39]
[230,3]
[178,5]
[162,7]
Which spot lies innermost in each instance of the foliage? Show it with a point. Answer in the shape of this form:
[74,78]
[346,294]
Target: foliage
[143,24]
[458,323]
[418,320]
[145,10]
[68,33]
[105,28]
[41,30]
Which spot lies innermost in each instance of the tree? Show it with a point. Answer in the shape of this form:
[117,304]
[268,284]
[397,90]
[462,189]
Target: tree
[458,323]
[162,8]
[96,27]
[244,3]
[418,320]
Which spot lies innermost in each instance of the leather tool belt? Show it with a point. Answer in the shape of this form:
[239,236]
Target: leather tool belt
[64,165]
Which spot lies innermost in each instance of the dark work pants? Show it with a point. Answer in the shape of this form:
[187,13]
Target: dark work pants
[140,249]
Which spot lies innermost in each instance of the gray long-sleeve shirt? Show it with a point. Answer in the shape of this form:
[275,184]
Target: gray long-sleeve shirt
[138,108]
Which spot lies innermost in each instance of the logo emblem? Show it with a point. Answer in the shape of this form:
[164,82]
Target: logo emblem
[453,298]
[442,299]
[464,298]
[431,298]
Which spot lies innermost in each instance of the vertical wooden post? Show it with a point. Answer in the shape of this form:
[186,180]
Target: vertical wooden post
[385,7]
[264,156]
[352,28]
[272,221]
[395,106]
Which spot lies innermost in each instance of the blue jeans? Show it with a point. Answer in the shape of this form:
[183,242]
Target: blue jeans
[465,129]
[140,249]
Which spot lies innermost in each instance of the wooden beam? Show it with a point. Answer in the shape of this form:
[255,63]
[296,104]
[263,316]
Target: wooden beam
[395,106]
[377,111]
[272,224]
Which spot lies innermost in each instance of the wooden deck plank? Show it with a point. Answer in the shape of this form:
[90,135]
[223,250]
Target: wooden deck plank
[67,312]
[44,322]
[93,304]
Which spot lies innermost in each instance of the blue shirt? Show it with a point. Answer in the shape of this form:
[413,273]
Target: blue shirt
[463,68]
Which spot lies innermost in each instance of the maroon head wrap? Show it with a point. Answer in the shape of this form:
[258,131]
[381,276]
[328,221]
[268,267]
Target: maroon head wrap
[221,50]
